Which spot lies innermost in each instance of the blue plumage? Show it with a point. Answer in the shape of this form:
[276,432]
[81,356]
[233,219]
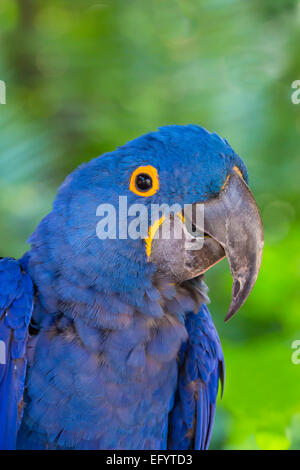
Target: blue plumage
[201,366]
[16,302]
[116,360]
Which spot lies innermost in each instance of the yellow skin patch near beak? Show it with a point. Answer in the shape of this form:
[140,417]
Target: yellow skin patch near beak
[153,229]
[226,181]
[181,216]
[237,171]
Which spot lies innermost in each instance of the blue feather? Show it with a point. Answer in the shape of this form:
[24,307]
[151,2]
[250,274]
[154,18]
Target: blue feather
[16,303]
[202,366]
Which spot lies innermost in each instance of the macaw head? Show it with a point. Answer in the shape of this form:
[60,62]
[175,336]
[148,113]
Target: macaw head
[103,232]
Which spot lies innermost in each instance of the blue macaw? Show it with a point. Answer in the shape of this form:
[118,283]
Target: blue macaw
[107,343]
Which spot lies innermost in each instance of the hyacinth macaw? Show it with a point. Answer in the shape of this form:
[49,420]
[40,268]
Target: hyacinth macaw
[108,343]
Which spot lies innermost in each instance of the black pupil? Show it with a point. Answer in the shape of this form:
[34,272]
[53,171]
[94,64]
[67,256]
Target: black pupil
[143,182]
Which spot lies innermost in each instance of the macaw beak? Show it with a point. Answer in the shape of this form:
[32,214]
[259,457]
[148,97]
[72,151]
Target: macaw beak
[232,227]
[233,220]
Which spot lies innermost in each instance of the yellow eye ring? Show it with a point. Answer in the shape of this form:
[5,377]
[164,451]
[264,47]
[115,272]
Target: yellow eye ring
[144,181]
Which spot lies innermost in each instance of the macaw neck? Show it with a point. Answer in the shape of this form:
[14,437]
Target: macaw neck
[62,292]
[129,341]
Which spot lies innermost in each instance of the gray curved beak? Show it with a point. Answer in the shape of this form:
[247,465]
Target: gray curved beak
[230,227]
[234,221]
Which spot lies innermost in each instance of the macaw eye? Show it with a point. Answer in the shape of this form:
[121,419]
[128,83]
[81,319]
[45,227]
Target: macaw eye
[144,181]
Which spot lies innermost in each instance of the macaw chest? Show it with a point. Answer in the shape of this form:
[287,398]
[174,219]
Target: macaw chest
[119,397]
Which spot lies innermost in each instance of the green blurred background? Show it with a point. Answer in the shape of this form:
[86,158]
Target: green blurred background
[83,77]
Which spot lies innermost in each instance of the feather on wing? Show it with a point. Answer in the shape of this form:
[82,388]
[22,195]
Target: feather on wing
[201,367]
[16,303]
